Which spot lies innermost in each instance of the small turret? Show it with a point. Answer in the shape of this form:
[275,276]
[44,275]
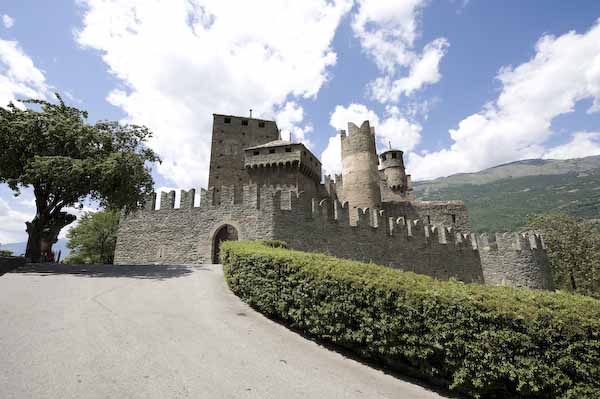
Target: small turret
[359,167]
[394,173]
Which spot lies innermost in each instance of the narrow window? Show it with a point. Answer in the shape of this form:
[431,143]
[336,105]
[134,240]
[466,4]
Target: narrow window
[256,152]
[261,124]
[394,155]
[383,157]
[227,120]
[428,219]
[288,149]
[272,151]
[244,122]
[453,219]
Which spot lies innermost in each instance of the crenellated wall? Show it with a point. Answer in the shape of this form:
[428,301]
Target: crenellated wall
[515,259]
[401,243]
[185,235]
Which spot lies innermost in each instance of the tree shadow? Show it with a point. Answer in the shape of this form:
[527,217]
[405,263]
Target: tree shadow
[150,272]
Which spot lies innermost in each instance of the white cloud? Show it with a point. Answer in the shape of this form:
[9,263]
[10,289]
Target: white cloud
[13,220]
[387,31]
[394,129]
[289,119]
[398,131]
[180,61]
[423,71]
[8,21]
[19,77]
[564,71]
[582,144]
[355,113]
[331,157]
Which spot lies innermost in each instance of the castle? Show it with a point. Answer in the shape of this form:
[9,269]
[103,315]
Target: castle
[262,187]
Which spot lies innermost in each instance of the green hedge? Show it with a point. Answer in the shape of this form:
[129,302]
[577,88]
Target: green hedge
[481,340]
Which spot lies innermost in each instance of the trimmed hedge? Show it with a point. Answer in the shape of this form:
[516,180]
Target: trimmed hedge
[481,340]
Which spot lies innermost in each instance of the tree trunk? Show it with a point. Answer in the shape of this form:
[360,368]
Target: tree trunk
[43,233]
[33,253]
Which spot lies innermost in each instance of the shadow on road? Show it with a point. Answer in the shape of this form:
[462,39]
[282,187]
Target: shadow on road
[156,272]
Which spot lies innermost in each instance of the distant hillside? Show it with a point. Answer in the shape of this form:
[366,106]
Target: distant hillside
[18,248]
[500,198]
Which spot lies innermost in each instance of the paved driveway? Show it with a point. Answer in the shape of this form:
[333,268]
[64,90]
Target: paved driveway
[162,332]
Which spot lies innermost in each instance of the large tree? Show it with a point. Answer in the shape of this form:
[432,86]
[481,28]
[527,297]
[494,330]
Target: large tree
[94,238]
[573,251]
[64,159]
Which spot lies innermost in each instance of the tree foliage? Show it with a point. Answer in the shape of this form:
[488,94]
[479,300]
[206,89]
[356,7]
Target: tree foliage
[573,251]
[51,148]
[93,240]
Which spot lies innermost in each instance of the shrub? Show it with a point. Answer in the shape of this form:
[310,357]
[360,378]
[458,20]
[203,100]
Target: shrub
[5,252]
[482,340]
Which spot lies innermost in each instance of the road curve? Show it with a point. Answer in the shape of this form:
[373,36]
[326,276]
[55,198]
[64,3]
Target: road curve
[157,332]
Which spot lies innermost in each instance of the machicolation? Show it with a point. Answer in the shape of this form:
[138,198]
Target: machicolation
[366,214]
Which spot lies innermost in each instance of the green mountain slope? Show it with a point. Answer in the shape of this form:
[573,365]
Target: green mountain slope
[500,198]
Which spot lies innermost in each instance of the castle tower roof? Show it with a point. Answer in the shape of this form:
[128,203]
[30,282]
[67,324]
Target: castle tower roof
[283,154]
[274,143]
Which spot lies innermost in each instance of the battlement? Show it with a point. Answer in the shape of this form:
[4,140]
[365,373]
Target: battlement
[250,196]
[329,226]
[527,241]
[286,198]
[358,138]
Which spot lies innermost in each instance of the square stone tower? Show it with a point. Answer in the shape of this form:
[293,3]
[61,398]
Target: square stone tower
[230,136]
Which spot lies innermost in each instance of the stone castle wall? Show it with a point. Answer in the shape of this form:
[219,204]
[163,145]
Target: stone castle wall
[404,244]
[518,260]
[186,235]
[434,213]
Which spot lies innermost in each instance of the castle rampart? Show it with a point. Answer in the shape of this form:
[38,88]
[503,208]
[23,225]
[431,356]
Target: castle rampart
[186,235]
[261,187]
[515,259]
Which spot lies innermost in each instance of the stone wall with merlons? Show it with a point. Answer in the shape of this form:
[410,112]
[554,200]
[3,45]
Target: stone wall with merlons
[185,235]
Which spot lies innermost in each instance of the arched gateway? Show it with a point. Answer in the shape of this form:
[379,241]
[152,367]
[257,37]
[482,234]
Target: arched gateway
[225,233]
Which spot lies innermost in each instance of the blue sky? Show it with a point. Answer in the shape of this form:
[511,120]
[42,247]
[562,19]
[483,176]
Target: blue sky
[458,85]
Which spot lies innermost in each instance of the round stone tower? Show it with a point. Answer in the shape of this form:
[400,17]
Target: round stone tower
[397,182]
[359,166]
[392,163]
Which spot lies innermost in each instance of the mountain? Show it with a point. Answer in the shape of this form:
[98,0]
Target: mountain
[500,198]
[18,248]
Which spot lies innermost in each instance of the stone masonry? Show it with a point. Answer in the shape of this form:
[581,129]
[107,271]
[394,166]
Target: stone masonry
[368,213]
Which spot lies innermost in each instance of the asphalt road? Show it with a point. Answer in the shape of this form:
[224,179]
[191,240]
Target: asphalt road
[157,332]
